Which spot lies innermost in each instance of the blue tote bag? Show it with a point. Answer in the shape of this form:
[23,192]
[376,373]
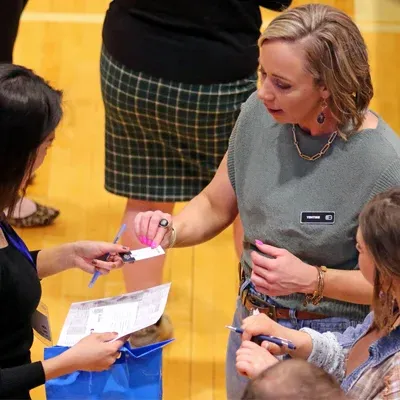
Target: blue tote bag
[137,374]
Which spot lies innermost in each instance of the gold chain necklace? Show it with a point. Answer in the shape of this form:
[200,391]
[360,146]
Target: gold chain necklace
[317,155]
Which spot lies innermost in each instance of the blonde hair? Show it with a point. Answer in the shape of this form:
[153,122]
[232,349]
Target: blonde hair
[336,57]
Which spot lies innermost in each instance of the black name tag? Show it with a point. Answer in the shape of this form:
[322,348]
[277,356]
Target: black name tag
[317,217]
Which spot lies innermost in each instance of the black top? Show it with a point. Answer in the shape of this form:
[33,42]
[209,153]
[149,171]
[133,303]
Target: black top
[20,293]
[200,42]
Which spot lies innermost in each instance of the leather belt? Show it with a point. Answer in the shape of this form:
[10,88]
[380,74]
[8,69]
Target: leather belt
[276,313]
[251,303]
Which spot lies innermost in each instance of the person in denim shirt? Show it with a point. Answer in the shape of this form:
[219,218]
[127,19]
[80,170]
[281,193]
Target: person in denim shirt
[365,359]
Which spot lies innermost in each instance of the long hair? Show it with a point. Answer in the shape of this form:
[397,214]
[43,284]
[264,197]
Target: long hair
[379,223]
[30,109]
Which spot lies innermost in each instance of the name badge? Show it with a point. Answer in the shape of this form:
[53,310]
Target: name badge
[41,324]
[317,217]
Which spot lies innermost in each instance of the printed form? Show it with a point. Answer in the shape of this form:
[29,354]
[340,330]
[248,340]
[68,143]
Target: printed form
[123,314]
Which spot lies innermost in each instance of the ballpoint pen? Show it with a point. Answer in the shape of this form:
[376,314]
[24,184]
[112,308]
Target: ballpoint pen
[97,273]
[260,338]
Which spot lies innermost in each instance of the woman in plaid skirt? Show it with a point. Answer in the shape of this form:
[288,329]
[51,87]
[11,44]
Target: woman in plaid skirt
[174,75]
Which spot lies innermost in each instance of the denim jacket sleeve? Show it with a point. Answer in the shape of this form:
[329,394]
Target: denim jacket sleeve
[330,349]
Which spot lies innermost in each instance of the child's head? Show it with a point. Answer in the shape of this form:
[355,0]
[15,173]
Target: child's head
[378,243]
[293,379]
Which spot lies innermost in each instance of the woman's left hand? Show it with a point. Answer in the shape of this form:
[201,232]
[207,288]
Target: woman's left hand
[282,274]
[252,359]
[90,256]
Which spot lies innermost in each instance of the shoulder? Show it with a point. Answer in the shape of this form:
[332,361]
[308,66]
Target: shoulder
[382,141]
[254,118]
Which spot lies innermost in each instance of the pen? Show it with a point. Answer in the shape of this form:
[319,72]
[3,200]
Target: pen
[97,273]
[260,338]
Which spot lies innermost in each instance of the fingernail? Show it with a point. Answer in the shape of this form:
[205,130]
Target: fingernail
[259,242]
[153,245]
[142,240]
[94,262]
[149,242]
[125,248]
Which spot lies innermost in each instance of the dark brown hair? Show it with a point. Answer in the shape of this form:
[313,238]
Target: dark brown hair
[30,110]
[293,379]
[379,224]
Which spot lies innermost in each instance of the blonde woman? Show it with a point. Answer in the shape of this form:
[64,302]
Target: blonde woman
[305,155]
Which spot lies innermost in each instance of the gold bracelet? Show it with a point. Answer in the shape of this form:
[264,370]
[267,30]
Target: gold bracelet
[321,285]
[317,296]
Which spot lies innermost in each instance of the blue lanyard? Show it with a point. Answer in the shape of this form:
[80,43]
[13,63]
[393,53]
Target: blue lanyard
[16,242]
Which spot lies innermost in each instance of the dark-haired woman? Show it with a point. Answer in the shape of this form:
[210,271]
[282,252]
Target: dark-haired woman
[30,110]
[27,213]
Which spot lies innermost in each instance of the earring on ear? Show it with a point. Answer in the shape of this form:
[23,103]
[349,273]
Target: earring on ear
[321,115]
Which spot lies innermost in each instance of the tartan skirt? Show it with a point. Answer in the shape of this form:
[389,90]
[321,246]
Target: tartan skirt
[165,140]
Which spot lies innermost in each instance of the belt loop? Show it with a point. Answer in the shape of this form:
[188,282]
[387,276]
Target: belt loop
[244,286]
[293,318]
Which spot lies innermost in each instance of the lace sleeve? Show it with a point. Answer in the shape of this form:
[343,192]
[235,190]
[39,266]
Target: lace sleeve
[327,353]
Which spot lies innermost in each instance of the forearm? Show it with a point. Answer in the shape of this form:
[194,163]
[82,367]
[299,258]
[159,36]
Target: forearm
[348,286]
[301,340]
[58,366]
[321,349]
[20,379]
[326,352]
[53,260]
[202,220]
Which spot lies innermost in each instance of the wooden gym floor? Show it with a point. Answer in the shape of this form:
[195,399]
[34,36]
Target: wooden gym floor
[61,40]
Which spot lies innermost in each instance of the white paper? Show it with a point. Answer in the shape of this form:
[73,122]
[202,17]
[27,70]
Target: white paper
[147,252]
[123,314]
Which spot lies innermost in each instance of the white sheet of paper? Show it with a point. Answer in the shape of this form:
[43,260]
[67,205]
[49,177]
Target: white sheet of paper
[147,252]
[124,314]
[114,318]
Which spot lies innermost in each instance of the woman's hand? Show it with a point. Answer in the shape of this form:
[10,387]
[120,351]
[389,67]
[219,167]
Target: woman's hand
[90,256]
[260,324]
[95,352]
[149,232]
[282,274]
[263,325]
[252,359]
[86,255]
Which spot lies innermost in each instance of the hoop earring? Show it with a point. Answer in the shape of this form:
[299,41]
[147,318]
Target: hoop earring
[321,115]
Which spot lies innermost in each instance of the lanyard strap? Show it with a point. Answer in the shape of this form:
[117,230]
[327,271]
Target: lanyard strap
[14,240]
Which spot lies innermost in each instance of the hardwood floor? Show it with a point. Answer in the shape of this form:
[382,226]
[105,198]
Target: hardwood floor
[61,40]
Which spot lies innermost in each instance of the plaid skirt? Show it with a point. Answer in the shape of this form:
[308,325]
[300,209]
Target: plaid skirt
[165,140]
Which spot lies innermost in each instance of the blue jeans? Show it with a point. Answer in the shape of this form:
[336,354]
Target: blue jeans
[235,383]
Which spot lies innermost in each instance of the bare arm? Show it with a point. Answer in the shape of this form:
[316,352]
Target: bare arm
[54,260]
[348,286]
[209,213]
[282,273]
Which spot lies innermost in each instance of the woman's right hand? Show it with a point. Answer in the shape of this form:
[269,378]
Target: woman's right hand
[149,232]
[95,352]
[261,324]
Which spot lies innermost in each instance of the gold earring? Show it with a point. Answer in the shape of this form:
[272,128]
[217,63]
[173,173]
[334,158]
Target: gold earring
[321,115]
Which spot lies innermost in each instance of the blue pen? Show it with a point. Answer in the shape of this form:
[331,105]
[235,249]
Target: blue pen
[260,338]
[97,273]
